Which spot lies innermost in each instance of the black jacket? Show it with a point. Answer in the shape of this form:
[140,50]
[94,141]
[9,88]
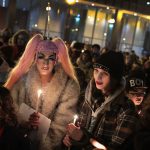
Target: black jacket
[14,139]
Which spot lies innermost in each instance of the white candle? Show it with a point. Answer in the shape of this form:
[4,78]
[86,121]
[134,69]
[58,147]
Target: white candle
[75,118]
[74,121]
[97,145]
[39,92]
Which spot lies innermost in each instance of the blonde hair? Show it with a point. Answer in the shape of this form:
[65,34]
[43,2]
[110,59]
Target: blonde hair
[28,57]
[64,58]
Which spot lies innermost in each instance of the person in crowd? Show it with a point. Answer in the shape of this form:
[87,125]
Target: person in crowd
[19,41]
[128,63]
[142,136]
[84,62]
[106,115]
[5,36]
[11,53]
[136,88]
[46,65]
[95,49]
[75,51]
[7,55]
[4,70]
[10,136]
[83,84]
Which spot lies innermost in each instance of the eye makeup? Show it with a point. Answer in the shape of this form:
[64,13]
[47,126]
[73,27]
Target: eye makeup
[42,56]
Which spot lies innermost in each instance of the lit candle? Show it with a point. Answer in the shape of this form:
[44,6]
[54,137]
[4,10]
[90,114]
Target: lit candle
[39,92]
[74,121]
[97,145]
[75,118]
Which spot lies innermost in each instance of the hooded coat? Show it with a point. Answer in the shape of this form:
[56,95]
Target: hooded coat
[111,124]
[59,101]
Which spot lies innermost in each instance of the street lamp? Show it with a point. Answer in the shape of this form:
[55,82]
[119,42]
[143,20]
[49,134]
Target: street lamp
[47,24]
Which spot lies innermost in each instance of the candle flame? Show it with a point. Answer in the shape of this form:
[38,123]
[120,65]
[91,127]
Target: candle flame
[39,92]
[75,118]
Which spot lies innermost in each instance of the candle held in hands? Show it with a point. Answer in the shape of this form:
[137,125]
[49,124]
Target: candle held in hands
[39,92]
[74,121]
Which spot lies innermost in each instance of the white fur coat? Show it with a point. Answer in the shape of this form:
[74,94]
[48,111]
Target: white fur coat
[59,101]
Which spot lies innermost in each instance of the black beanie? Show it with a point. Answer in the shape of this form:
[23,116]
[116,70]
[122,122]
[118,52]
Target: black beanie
[112,62]
[136,79]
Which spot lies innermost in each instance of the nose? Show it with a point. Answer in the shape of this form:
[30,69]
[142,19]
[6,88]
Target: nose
[46,61]
[100,75]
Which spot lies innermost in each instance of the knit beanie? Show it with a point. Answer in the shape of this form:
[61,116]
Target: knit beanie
[112,62]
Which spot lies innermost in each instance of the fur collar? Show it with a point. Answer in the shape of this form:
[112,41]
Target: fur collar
[52,91]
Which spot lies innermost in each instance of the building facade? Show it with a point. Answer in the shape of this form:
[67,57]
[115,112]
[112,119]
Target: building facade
[87,22]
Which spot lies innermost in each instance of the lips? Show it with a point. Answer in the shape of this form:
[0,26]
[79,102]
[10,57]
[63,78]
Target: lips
[99,83]
[138,100]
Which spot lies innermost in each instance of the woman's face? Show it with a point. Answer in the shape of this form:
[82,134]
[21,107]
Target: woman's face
[102,79]
[45,62]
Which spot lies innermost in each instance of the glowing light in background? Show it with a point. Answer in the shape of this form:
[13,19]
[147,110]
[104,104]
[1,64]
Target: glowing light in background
[111,21]
[135,14]
[111,25]
[124,39]
[148,3]
[35,25]
[105,34]
[71,2]
[77,18]
[4,3]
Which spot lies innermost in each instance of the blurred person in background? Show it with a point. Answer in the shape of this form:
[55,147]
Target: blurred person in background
[95,49]
[5,36]
[84,62]
[19,41]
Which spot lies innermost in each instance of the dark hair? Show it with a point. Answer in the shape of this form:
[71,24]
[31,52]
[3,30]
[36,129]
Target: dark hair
[7,116]
[96,46]
[20,32]
[96,93]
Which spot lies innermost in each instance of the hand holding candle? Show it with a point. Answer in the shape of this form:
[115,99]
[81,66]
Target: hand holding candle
[74,121]
[34,118]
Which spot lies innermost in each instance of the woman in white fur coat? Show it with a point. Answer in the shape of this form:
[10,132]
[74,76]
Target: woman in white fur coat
[46,65]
